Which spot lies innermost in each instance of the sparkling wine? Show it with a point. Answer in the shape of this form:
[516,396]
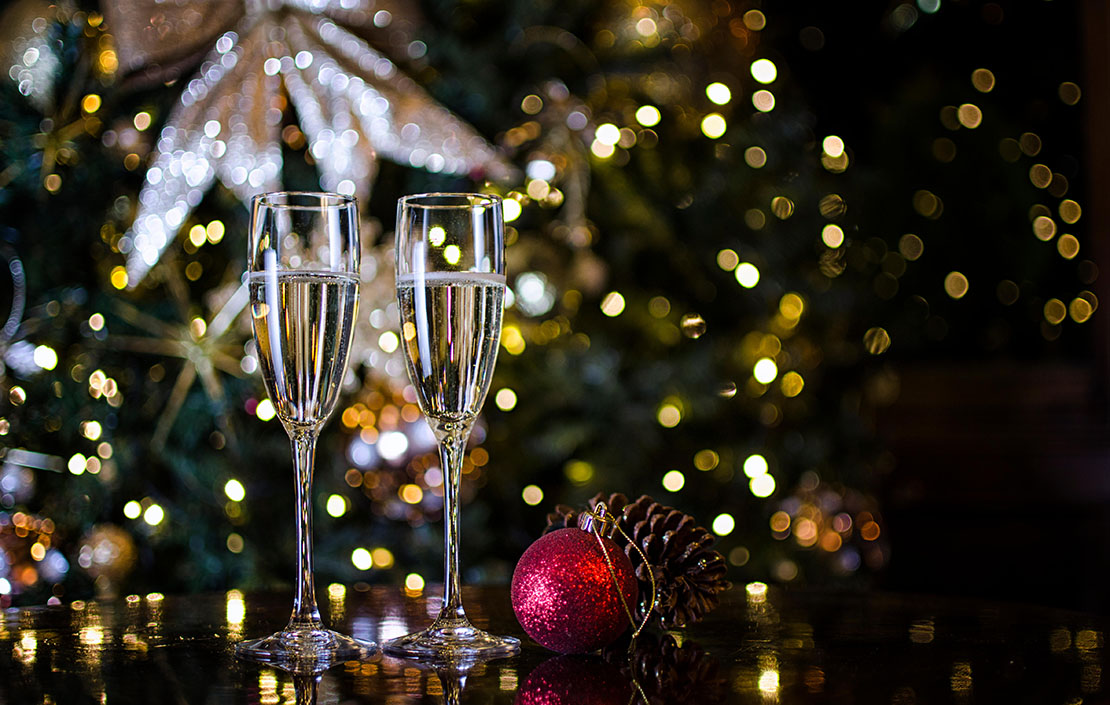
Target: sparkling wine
[450,328]
[302,324]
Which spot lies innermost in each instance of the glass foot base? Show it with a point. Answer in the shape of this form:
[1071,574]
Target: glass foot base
[305,650]
[452,641]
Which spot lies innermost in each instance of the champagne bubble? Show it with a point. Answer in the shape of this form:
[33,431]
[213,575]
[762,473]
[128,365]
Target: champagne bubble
[693,325]
[727,390]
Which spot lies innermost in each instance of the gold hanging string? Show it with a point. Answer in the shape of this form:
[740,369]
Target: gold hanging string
[598,520]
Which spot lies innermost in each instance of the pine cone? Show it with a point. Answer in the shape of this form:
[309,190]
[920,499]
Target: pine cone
[689,574]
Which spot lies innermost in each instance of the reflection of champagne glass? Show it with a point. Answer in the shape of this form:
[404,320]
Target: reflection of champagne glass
[303,264]
[450,284]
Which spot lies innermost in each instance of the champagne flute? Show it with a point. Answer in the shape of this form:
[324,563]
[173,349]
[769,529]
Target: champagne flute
[450,286]
[303,279]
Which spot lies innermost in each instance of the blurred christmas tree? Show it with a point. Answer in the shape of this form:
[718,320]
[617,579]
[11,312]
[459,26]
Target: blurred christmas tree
[705,273]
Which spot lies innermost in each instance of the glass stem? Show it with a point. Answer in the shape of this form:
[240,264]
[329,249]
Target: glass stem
[305,612]
[451,449]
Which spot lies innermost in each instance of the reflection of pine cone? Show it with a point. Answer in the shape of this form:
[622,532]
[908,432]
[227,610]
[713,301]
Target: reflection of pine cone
[668,673]
[688,572]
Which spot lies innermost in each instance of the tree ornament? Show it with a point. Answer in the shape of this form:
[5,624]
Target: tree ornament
[354,104]
[28,54]
[666,544]
[573,591]
[574,680]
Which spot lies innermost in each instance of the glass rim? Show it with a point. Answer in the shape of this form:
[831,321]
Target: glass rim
[324,200]
[464,200]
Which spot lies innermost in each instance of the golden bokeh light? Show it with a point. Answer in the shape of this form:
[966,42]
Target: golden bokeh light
[336,505]
[911,246]
[754,20]
[956,285]
[1080,310]
[660,306]
[833,146]
[579,472]
[755,465]
[1055,311]
[791,306]
[764,101]
[747,275]
[718,93]
[91,103]
[613,304]
[782,207]
[706,459]
[648,115]
[727,259]
[505,399]
[832,206]
[762,485]
[673,481]
[1030,144]
[832,236]
[1070,211]
[1044,228]
[714,126]
[1068,246]
[876,340]
[607,133]
[410,493]
[755,157]
[780,522]
[511,209]
[969,115]
[764,71]
[927,204]
[601,150]
[983,80]
[723,524]
[693,325]
[362,559]
[1069,93]
[792,384]
[668,415]
[1040,175]
[531,104]
[765,370]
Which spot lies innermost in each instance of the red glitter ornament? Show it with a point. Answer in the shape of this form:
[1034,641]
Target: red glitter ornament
[574,680]
[564,594]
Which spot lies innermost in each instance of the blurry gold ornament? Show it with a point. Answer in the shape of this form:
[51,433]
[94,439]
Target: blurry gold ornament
[198,342]
[107,553]
[353,103]
[378,317]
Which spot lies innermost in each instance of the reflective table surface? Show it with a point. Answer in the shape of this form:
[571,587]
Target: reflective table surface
[772,646]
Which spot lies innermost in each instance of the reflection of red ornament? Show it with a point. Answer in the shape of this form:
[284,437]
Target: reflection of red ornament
[563,592]
[574,680]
